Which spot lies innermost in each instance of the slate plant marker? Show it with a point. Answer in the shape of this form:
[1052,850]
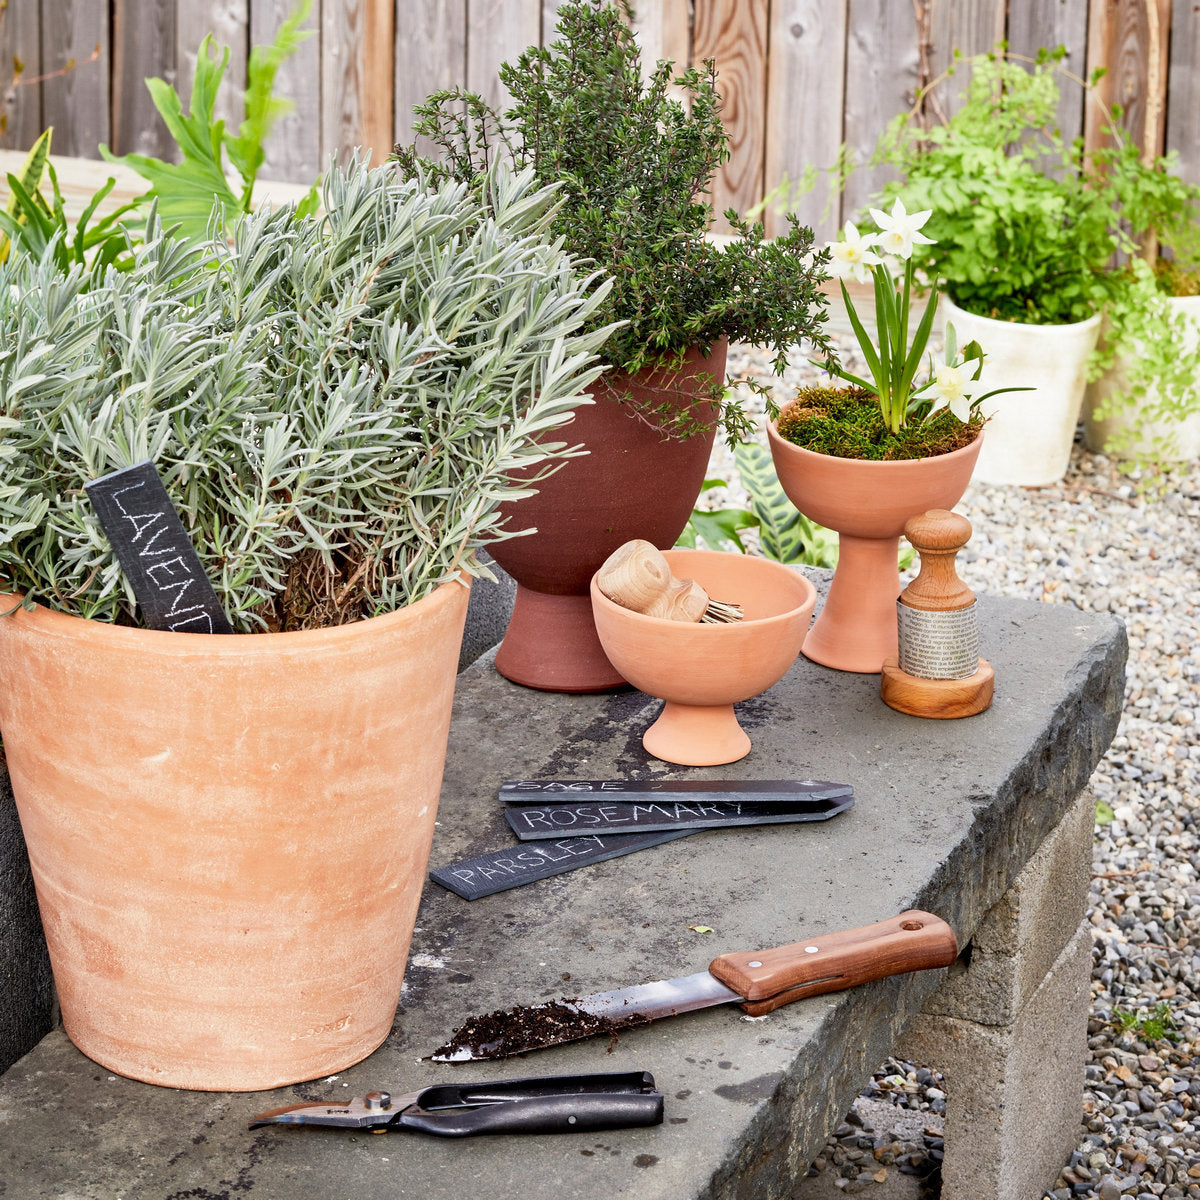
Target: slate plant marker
[684,791]
[531,822]
[500,870]
[155,552]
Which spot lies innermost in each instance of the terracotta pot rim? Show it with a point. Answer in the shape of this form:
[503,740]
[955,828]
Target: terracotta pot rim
[894,464]
[722,630]
[50,622]
[1094,319]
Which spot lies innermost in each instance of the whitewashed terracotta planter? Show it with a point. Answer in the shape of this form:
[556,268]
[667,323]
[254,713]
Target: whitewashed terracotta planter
[1131,437]
[1029,434]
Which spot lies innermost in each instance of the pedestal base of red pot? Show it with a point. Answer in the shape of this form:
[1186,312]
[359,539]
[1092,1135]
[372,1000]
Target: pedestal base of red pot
[551,644]
[856,628]
[694,735]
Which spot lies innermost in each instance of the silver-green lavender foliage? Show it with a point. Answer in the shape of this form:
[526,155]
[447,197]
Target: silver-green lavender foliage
[350,393]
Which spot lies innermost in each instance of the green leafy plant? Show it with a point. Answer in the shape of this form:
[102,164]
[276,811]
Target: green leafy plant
[337,405]
[1153,1025]
[38,227]
[635,165]
[717,528]
[785,535]
[187,191]
[1149,352]
[1022,231]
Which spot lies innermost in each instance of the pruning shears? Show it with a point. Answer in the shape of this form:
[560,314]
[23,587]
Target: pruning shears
[547,1104]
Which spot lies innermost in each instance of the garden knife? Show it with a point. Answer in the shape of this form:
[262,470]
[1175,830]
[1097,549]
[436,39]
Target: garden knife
[759,980]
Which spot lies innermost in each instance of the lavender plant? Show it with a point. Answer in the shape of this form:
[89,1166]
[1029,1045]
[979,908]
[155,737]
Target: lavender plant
[337,405]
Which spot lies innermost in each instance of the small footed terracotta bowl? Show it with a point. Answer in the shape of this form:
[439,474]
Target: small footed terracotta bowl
[701,671]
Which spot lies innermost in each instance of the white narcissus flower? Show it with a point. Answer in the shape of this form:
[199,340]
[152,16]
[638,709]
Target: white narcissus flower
[949,389]
[853,257]
[899,231]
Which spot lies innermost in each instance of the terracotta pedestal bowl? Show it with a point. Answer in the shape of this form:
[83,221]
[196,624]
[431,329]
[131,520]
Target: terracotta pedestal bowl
[701,671]
[868,504]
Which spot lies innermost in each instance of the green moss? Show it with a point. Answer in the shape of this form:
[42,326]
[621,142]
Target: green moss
[846,423]
[1174,279]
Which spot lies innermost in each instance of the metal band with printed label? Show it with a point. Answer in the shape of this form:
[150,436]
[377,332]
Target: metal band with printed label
[938,645]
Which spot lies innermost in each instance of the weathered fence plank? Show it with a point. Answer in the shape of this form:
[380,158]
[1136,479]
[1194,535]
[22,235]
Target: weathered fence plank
[1183,88]
[497,31]
[21,62]
[431,54]
[76,101]
[1129,37]
[293,151]
[881,80]
[143,45]
[357,92]
[800,77]
[734,34]
[1034,24]
[968,27]
[806,78]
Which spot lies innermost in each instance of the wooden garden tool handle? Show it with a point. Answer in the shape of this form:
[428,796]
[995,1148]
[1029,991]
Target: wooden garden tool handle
[913,941]
[937,535]
[638,577]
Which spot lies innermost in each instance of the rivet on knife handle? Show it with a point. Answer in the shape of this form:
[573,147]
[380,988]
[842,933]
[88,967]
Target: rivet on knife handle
[913,941]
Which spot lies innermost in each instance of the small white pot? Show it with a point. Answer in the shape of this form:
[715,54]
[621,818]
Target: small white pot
[1029,434]
[1163,441]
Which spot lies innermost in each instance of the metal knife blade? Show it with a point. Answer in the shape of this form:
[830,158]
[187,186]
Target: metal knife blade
[533,1027]
[762,981]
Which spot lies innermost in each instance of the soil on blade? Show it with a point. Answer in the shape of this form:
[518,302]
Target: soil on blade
[528,1027]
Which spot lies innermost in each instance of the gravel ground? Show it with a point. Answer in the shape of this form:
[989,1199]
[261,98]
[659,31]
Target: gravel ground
[1093,541]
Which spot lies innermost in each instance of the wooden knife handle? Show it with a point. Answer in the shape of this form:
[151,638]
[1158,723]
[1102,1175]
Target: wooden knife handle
[913,941]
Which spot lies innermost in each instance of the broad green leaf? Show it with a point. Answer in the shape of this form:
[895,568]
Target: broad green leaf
[30,174]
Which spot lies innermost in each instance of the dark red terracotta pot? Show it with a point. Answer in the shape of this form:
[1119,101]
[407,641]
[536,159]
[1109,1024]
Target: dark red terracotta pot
[635,482]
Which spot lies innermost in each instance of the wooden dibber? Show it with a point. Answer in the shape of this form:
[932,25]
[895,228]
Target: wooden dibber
[938,671]
[636,576]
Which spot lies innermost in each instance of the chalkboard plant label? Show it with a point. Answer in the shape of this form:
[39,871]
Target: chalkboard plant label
[155,552]
[531,822]
[760,791]
[500,870]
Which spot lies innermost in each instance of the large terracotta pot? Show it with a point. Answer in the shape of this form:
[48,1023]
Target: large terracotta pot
[868,504]
[1029,433]
[702,670]
[1131,434]
[229,834]
[635,482]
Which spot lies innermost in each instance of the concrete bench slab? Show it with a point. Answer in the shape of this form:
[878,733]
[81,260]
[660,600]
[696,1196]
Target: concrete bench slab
[947,816]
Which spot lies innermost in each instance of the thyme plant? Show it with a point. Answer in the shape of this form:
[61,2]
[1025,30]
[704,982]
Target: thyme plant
[337,405]
[635,165]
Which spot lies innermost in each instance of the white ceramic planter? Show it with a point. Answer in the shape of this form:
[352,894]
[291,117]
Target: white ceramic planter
[1131,437]
[1029,434]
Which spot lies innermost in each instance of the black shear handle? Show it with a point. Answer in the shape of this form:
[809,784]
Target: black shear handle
[554,1104]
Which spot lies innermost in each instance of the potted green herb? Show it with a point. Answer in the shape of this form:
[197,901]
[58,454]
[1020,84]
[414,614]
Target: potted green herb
[1023,238]
[1144,402]
[864,459]
[228,834]
[634,164]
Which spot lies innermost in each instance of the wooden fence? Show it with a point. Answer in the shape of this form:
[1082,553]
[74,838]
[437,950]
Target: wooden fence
[799,78]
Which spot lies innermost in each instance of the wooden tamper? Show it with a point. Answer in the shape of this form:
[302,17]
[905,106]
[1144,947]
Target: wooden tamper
[638,577]
[938,671]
